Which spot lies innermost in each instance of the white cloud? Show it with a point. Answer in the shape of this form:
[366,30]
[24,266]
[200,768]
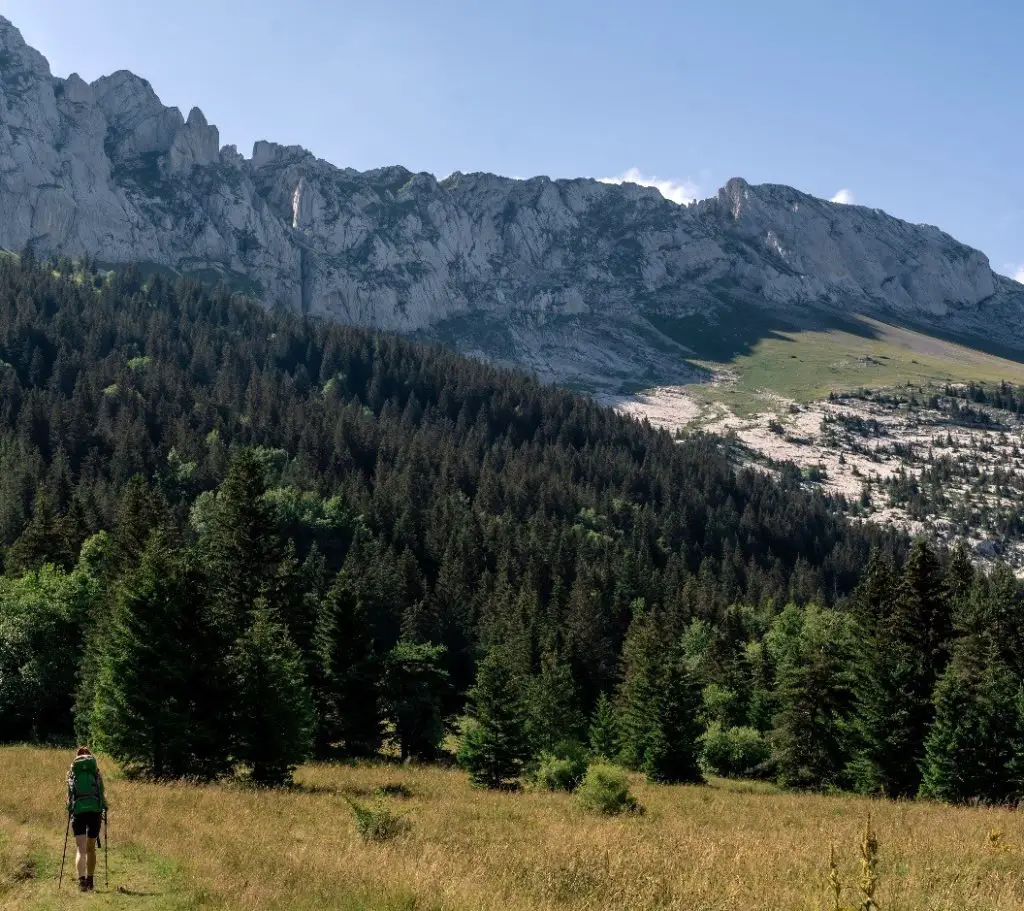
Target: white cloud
[844,197]
[680,192]
[1018,276]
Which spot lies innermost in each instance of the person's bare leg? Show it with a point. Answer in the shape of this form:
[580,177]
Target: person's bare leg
[81,855]
[90,851]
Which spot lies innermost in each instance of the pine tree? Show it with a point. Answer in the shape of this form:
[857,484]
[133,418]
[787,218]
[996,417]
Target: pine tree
[138,513]
[811,649]
[673,752]
[149,680]
[291,591]
[98,564]
[242,544]
[997,607]
[274,722]
[902,652]
[880,757]
[495,746]
[642,655]
[761,706]
[415,685]
[603,736]
[975,742]
[923,616]
[959,580]
[554,715]
[41,541]
[349,673]
[876,591]
[973,748]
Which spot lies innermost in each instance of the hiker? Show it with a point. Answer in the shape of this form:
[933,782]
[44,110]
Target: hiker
[86,804]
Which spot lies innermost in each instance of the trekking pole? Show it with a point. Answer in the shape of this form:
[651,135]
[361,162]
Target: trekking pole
[63,856]
[106,847]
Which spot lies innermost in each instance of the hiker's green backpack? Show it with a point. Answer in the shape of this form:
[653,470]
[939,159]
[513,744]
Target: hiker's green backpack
[85,793]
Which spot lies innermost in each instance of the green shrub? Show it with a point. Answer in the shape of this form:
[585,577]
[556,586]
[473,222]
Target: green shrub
[560,773]
[733,752]
[719,704]
[377,823]
[605,789]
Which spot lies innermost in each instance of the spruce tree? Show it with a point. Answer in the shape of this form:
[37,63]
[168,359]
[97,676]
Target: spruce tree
[920,632]
[41,540]
[674,749]
[660,705]
[761,668]
[589,640]
[959,581]
[923,615]
[242,544]
[98,564]
[138,513]
[349,672]
[291,591]
[495,746]
[149,680]
[876,590]
[903,649]
[603,736]
[811,650]
[974,744]
[415,690]
[274,720]
[554,715]
[876,730]
[997,607]
[642,655]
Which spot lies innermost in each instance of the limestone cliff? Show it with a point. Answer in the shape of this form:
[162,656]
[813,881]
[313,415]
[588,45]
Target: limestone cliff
[569,278]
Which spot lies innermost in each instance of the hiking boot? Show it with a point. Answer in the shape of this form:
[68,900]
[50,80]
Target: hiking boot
[83,884]
[89,885]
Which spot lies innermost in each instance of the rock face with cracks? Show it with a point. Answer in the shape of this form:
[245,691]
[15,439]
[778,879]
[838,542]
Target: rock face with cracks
[572,279]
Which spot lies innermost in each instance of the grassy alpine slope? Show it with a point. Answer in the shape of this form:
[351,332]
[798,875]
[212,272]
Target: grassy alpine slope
[804,366]
[715,848]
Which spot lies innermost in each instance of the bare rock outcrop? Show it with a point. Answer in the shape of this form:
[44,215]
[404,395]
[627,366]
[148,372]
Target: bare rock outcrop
[566,278]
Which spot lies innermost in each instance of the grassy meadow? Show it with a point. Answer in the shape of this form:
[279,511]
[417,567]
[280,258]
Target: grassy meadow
[721,847]
[806,365]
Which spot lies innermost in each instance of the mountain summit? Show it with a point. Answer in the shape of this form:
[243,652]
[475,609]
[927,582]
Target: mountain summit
[576,280]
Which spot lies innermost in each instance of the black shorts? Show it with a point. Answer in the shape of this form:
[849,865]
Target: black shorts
[86,824]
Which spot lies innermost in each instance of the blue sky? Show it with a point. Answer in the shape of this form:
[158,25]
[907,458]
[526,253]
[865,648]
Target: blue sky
[907,105]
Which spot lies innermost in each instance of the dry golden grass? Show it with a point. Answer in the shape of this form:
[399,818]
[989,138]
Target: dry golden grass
[714,848]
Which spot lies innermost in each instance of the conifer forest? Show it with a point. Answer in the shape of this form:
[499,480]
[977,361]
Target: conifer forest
[233,540]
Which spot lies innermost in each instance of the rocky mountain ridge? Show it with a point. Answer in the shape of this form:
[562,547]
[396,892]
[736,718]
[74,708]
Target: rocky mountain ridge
[573,279]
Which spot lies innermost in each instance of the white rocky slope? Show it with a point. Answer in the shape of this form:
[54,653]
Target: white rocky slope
[562,277]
